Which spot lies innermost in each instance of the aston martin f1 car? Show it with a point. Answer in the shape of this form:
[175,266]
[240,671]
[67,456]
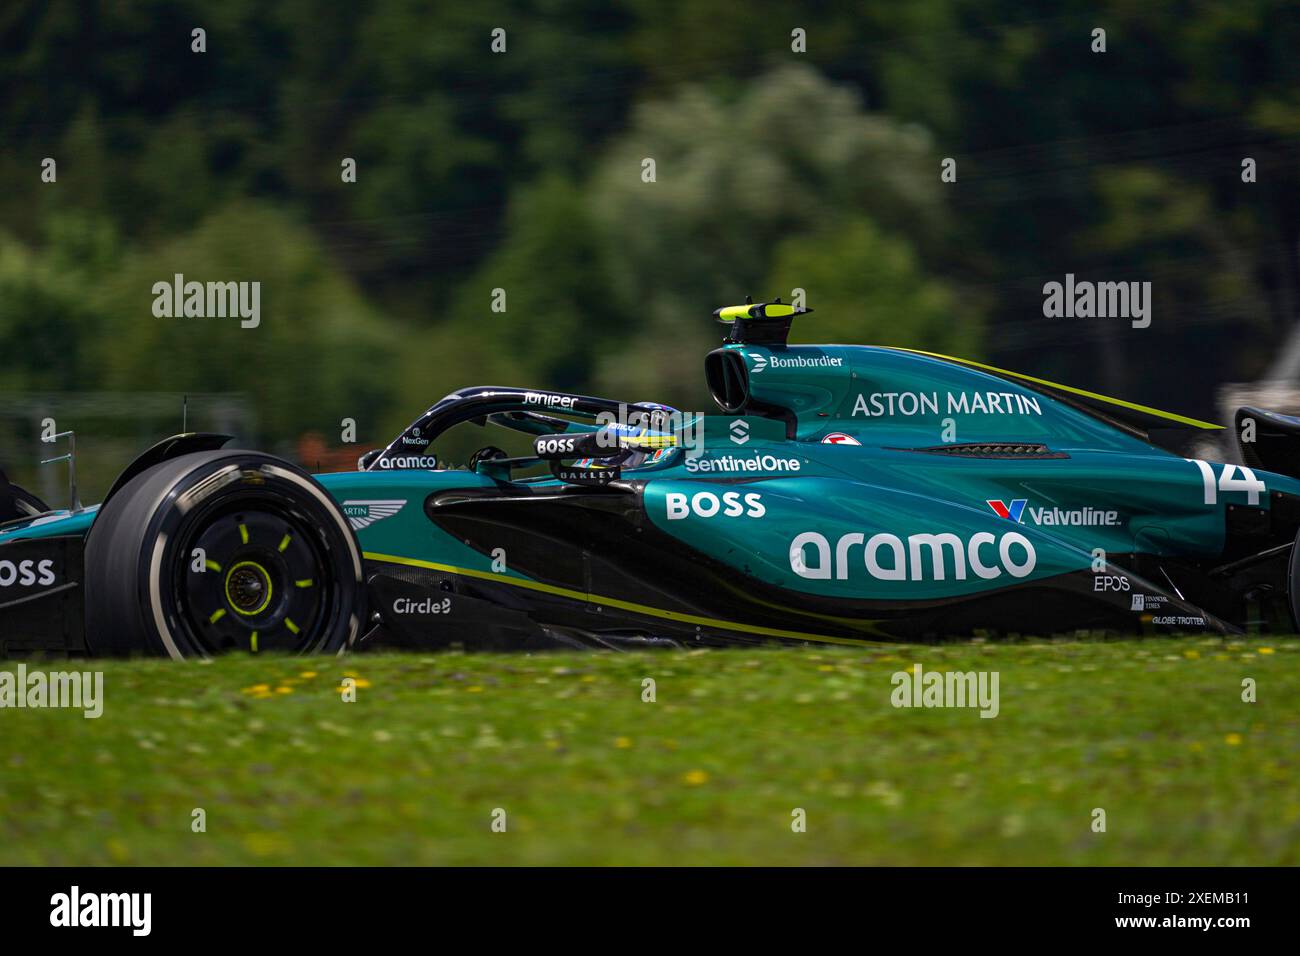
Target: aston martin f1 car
[840,494]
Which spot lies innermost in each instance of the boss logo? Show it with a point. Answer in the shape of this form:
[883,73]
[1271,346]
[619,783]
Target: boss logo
[705,504]
[26,573]
[554,446]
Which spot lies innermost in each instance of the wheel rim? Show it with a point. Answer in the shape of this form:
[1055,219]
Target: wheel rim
[252,575]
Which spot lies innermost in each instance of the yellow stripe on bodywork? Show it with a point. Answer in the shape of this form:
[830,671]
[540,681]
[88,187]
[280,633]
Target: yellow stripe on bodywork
[615,602]
[1096,396]
[648,441]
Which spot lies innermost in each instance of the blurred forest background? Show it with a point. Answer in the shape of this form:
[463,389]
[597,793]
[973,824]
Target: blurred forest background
[522,171]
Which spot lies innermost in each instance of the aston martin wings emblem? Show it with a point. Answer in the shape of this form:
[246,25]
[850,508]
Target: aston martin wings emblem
[362,514]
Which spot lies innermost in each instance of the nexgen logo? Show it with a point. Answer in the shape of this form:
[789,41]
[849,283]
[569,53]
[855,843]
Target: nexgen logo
[1015,510]
[924,557]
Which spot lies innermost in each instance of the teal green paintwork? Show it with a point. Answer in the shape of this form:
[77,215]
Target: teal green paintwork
[51,525]
[819,506]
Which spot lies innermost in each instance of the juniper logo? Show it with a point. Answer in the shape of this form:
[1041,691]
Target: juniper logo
[130,910]
[1101,300]
[212,300]
[362,514]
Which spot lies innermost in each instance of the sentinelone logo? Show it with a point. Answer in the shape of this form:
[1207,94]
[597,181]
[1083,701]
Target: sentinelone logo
[80,690]
[75,908]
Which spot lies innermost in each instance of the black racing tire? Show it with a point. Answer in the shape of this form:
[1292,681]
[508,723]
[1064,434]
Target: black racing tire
[222,550]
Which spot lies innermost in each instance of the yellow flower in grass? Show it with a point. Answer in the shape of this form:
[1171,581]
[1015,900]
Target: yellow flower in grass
[1264,650]
[257,689]
[695,778]
[1233,740]
[284,690]
[307,675]
[622,743]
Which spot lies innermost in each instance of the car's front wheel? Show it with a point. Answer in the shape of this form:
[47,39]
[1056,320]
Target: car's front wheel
[222,550]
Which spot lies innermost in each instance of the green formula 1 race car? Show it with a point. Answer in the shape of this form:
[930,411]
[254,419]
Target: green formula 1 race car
[840,494]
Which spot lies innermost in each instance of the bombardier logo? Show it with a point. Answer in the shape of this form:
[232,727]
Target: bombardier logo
[762,361]
[362,514]
[924,557]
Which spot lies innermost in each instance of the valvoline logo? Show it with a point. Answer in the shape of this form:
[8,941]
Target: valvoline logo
[1015,511]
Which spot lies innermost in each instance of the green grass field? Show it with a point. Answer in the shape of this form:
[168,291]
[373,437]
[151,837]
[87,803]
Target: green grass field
[1154,732]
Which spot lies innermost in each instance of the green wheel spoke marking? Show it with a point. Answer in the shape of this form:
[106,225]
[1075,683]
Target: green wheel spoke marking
[288,622]
[252,642]
[212,565]
[304,583]
[284,542]
[243,533]
[217,615]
